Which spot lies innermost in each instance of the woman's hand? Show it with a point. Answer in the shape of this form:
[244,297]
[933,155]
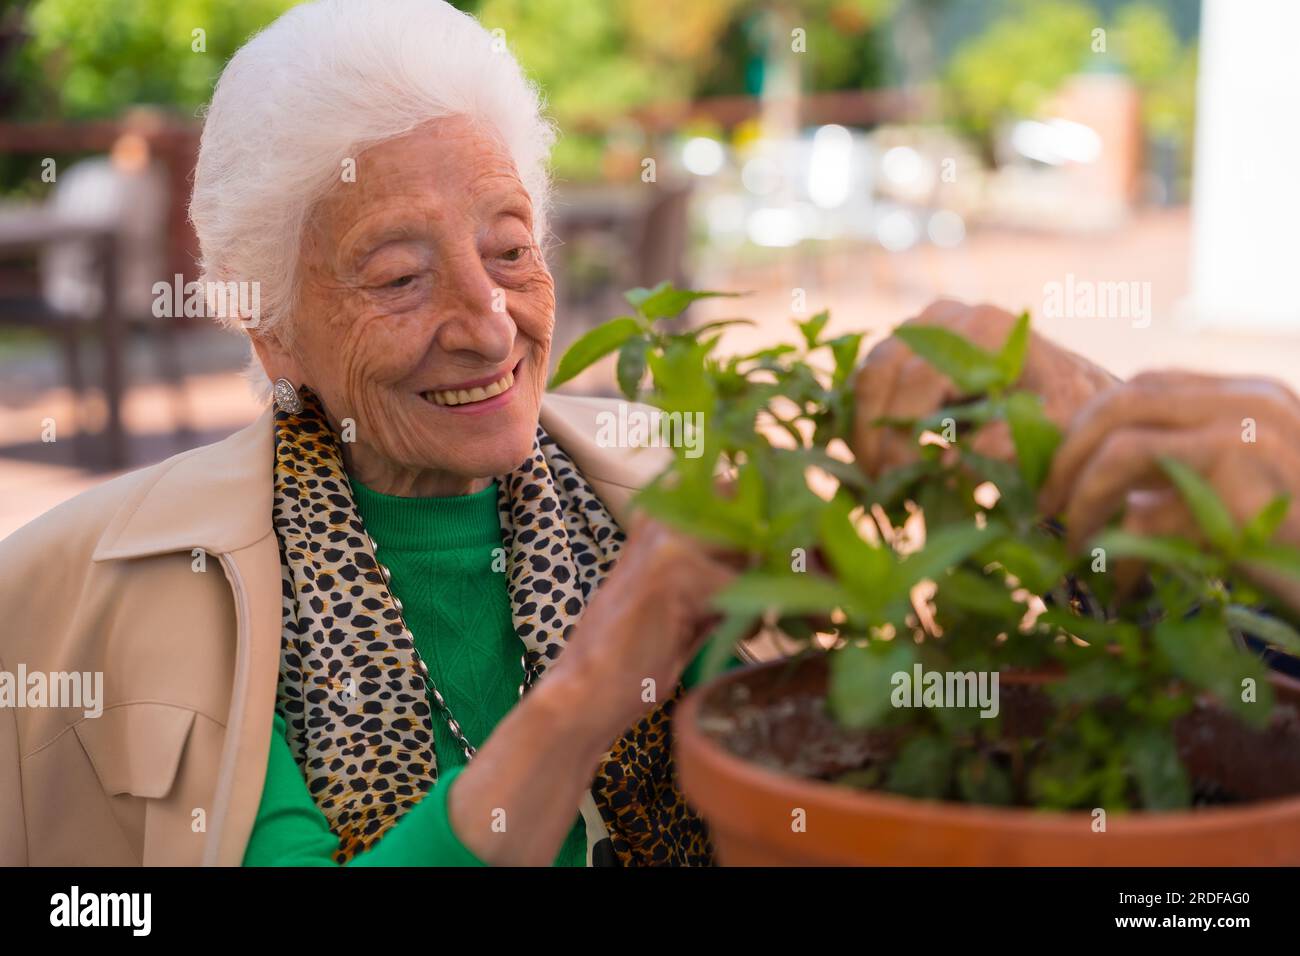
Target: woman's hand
[515,802]
[894,382]
[645,623]
[1240,434]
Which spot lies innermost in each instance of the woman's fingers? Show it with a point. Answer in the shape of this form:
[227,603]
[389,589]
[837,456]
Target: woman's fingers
[696,581]
[994,441]
[1254,415]
[895,383]
[1246,476]
[907,387]
[873,387]
[1128,459]
[1168,378]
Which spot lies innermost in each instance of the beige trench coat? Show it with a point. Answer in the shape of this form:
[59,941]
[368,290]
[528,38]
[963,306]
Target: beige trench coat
[167,581]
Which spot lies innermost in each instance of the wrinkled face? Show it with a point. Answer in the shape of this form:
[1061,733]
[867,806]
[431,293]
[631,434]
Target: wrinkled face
[426,312]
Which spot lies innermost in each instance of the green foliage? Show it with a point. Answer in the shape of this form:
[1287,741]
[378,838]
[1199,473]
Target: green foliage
[1130,663]
[859,693]
[1146,44]
[599,62]
[1020,60]
[1011,69]
[94,58]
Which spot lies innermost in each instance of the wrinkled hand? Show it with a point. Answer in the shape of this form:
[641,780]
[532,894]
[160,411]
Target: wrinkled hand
[646,621]
[1109,459]
[894,382]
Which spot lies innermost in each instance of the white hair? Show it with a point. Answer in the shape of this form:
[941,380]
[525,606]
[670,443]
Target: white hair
[318,86]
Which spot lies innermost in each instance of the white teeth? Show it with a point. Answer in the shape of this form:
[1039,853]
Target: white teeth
[465,396]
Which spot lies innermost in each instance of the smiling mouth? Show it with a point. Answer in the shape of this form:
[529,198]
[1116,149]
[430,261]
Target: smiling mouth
[451,398]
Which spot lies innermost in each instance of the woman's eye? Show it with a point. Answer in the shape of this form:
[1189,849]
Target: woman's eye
[515,254]
[401,282]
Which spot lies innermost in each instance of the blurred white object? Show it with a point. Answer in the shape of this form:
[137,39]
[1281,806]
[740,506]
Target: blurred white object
[946,229]
[761,176]
[1056,142]
[830,167]
[703,156]
[123,192]
[1246,193]
[897,231]
[906,168]
[775,226]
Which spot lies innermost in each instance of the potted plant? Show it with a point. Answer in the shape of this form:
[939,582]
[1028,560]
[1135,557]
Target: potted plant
[965,689]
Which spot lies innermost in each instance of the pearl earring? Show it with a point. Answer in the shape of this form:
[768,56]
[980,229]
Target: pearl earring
[286,397]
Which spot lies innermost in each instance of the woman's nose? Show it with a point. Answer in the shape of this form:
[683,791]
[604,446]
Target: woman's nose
[471,313]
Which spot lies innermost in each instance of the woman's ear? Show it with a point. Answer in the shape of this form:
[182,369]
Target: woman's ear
[278,360]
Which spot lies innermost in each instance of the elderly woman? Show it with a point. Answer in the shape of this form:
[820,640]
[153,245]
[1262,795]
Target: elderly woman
[406,617]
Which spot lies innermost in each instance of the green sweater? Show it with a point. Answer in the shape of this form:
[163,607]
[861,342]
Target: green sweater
[440,553]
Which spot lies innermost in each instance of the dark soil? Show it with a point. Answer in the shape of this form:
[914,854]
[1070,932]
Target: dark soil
[778,718]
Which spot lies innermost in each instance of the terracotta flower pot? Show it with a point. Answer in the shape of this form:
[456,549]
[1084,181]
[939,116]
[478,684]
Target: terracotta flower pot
[753,811]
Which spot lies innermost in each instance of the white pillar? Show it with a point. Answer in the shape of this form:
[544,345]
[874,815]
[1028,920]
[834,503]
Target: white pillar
[1246,189]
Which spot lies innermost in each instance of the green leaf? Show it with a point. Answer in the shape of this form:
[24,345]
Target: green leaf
[1037,567]
[1169,552]
[976,593]
[1211,515]
[1278,558]
[944,548]
[632,366]
[971,368]
[845,471]
[699,330]
[1036,437]
[758,591]
[1271,630]
[767,355]
[1100,634]
[1200,650]
[811,329]
[862,680]
[665,300]
[593,346]
[1061,779]
[1161,779]
[1011,358]
[722,644]
[894,484]
[1017,497]
[968,413]
[1261,528]
[693,510]
[865,568]
[923,768]
[683,380]
[845,348]
[1099,679]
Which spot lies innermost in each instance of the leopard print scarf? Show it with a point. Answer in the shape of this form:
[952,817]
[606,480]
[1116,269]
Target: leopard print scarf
[357,713]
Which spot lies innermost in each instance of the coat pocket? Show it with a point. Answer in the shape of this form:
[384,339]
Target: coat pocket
[136,748]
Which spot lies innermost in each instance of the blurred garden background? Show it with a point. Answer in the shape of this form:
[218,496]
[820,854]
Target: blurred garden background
[1124,169]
